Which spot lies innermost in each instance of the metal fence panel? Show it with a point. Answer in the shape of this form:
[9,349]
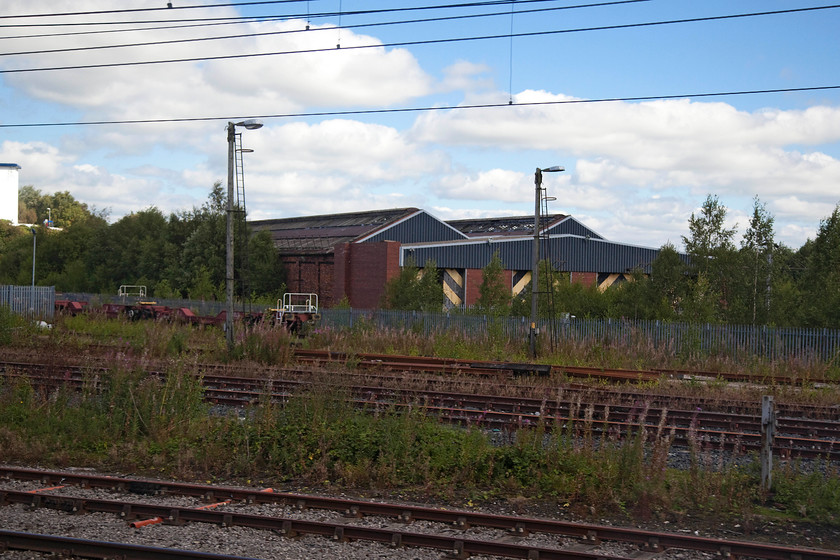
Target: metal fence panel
[740,342]
[37,302]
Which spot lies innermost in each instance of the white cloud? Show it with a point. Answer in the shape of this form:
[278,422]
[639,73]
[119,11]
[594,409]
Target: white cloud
[356,150]
[494,184]
[40,162]
[658,144]
[466,76]
[273,84]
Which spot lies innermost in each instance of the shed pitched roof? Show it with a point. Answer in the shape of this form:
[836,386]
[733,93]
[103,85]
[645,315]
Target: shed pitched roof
[513,225]
[319,234]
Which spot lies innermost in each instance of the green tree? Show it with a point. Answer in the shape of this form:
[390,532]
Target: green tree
[129,251]
[64,210]
[415,289]
[203,250]
[668,283]
[821,283]
[266,274]
[713,257]
[66,255]
[757,249]
[16,259]
[708,235]
[202,286]
[29,201]
[493,294]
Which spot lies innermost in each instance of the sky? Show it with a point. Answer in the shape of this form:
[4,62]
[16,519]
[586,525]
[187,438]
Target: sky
[447,107]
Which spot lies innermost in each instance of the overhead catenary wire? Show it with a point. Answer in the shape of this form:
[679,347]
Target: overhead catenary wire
[330,14]
[421,42]
[358,112]
[307,28]
[510,54]
[155,9]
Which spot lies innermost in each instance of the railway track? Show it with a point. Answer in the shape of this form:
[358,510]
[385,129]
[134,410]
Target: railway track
[797,436]
[66,547]
[460,533]
[491,368]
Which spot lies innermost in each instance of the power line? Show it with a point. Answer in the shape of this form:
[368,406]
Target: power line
[360,112]
[422,42]
[161,9]
[475,4]
[332,29]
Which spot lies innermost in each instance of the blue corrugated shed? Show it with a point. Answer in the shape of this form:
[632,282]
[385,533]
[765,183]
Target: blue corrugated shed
[461,244]
[418,227]
[566,252]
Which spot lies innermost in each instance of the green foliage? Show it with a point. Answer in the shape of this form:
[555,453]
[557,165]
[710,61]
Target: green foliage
[415,289]
[343,303]
[708,236]
[163,290]
[9,323]
[811,495]
[266,275]
[265,343]
[64,210]
[175,256]
[202,287]
[821,281]
[493,295]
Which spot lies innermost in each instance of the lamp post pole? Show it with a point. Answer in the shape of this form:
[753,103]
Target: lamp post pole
[32,291]
[231,138]
[535,264]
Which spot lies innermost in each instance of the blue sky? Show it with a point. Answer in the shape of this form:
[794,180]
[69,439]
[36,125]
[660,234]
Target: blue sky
[635,170]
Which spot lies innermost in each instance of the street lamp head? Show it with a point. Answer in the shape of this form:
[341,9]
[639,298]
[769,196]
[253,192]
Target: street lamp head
[250,124]
[553,169]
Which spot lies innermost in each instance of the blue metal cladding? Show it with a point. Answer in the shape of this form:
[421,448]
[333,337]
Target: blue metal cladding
[570,226]
[420,228]
[567,253]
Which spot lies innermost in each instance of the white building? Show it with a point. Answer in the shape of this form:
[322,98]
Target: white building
[9,183]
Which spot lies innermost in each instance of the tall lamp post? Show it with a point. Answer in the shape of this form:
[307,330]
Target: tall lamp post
[536,253]
[250,124]
[32,291]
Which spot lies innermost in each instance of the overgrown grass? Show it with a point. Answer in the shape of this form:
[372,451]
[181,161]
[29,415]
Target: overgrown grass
[129,421]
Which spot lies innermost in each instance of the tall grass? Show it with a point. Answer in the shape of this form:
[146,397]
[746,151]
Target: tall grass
[129,421]
[124,419]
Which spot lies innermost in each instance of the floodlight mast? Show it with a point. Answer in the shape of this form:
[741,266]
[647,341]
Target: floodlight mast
[535,264]
[250,124]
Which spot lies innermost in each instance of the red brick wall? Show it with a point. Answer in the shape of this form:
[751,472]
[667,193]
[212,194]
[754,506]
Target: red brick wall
[586,278]
[342,263]
[472,284]
[363,269]
[310,274]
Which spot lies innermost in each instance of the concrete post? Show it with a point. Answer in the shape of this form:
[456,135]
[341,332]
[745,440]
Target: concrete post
[768,432]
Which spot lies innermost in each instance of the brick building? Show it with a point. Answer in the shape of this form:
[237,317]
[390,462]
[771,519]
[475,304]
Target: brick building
[354,255]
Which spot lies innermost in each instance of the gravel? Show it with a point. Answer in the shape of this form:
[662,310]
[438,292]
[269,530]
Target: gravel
[252,543]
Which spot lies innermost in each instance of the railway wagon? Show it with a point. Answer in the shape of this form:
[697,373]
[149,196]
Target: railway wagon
[294,312]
